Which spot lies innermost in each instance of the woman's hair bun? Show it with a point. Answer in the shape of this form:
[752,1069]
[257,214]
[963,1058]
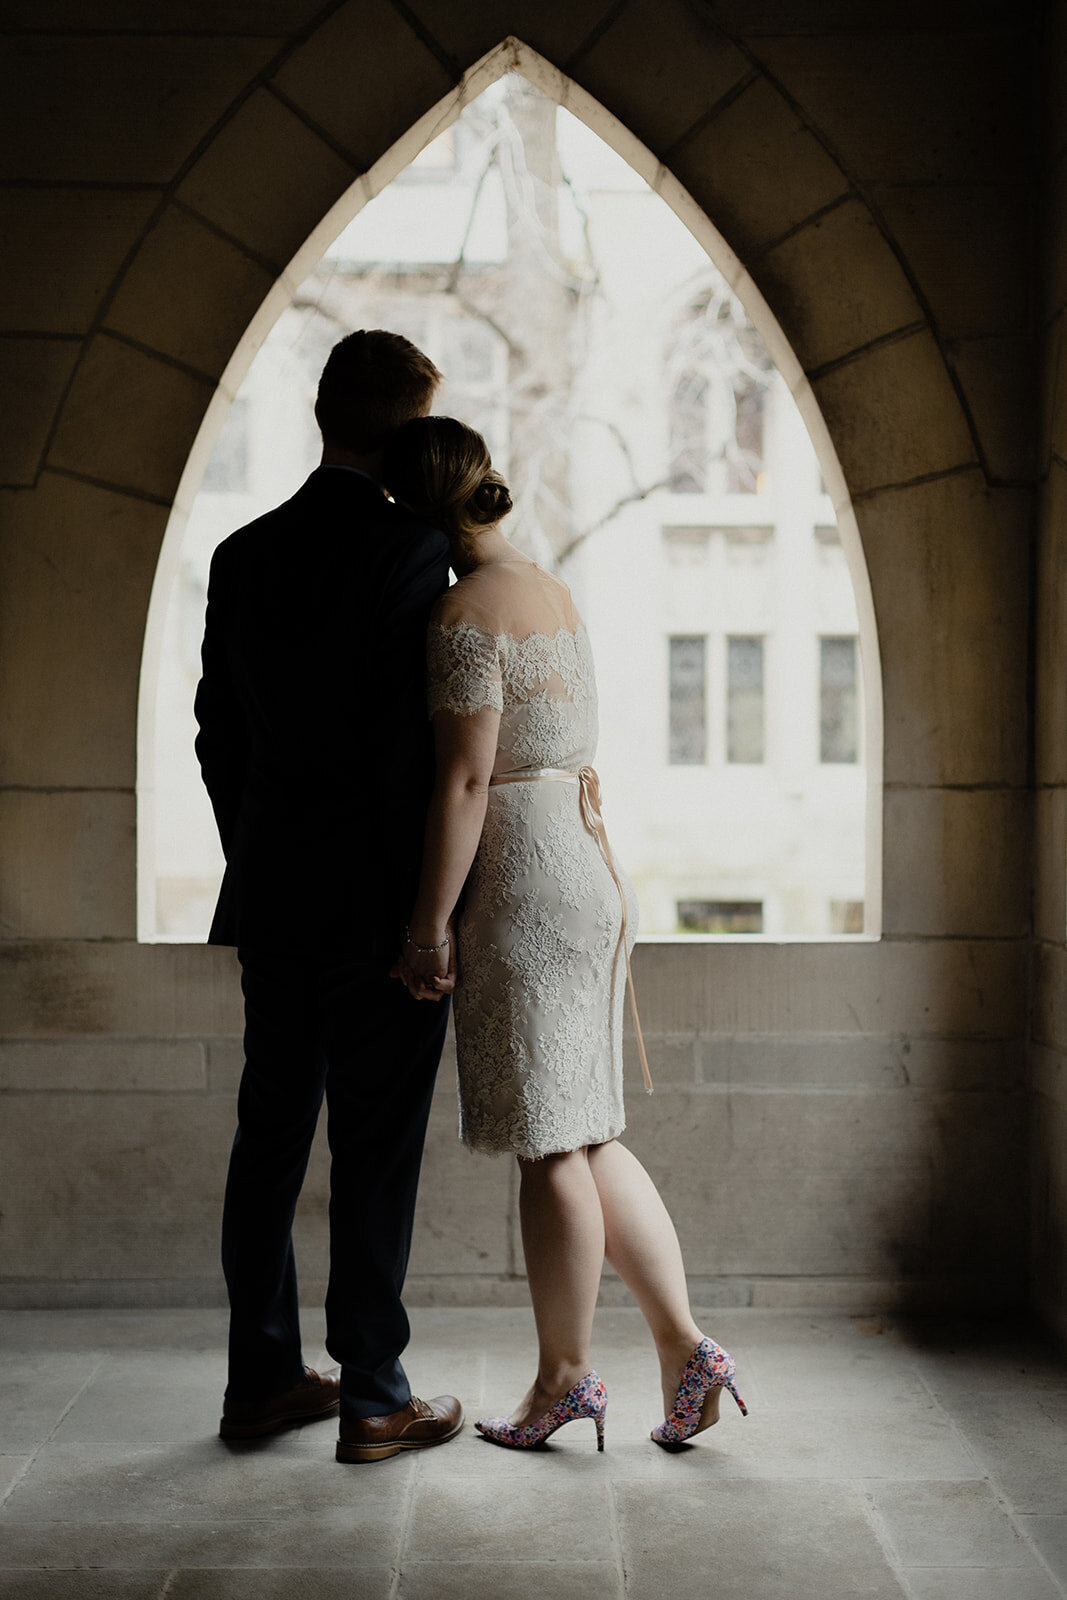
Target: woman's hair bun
[491,500]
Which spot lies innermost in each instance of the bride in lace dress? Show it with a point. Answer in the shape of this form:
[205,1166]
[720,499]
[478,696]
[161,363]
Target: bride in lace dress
[545,921]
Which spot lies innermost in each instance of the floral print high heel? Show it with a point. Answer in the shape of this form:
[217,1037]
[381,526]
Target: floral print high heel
[709,1368]
[588,1398]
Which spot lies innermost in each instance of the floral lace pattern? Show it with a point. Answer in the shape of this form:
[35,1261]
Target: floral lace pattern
[538,1005]
[563,863]
[463,672]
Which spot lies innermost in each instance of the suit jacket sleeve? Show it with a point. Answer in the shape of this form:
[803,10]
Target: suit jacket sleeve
[418,577]
[221,743]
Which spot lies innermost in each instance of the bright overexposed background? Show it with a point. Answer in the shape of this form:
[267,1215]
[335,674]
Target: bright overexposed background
[658,463]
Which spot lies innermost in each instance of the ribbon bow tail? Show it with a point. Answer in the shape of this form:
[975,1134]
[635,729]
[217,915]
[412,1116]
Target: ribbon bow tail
[590,797]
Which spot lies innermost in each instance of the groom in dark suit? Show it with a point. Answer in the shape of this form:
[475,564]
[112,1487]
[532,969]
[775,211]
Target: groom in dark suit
[314,745]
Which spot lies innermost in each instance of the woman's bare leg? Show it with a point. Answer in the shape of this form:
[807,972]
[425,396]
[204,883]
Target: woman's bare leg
[563,1242]
[642,1246]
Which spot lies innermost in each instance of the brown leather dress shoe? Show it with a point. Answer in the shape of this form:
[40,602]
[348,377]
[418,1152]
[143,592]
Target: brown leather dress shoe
[318,1394]
[415,1426]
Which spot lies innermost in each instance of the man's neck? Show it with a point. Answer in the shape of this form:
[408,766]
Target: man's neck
[334,456]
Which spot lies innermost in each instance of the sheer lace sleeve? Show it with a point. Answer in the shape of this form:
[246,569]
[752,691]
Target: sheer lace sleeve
[463,669]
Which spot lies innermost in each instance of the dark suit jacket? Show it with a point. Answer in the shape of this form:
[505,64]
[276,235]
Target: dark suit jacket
[314,742]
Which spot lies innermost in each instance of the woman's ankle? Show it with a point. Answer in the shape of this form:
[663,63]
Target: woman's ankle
[555,1378]
[676,1345]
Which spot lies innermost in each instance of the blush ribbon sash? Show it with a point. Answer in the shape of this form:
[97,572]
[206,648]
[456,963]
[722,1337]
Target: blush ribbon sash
[589,803]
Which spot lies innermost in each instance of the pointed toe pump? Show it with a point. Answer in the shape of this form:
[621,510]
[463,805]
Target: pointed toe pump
[709,1370]
[588,1398]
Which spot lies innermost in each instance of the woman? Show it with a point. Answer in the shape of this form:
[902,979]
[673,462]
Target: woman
[545,924]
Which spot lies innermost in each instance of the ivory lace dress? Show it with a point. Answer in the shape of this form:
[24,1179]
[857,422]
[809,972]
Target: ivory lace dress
[538,1004]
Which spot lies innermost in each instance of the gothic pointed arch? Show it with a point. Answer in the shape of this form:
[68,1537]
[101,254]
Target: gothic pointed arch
[513,56]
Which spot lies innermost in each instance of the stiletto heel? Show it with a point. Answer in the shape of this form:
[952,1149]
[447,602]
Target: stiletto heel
[708,1369]
[588,1398]
[741,1406]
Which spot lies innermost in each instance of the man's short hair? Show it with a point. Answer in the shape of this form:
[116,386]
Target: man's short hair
[373,382]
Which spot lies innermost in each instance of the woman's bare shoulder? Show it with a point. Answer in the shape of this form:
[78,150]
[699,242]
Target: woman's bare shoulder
[508,600]
[465,602]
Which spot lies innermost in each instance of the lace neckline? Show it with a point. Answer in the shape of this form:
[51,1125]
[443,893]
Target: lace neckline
[540,634]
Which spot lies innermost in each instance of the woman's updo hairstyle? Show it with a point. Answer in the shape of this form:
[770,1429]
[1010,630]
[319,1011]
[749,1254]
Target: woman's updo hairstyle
[442,471]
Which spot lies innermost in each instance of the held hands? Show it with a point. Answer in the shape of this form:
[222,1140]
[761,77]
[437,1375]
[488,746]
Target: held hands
[427,970]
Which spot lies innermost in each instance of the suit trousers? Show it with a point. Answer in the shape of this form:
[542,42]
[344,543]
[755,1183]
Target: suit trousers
[327,1023]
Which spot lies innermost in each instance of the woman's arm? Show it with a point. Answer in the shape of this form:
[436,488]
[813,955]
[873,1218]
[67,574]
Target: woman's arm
[465,749]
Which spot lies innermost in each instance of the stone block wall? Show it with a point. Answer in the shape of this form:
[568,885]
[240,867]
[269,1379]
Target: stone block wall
[837,1124]
[1048,1134]
[841,1132]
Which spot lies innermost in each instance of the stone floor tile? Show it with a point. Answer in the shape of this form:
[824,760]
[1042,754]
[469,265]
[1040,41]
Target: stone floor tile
[346,1537]
[203,1481]
[910,1440]
[83,1332]
[35,1391]
[948,1524]
[518,1580]
[832,1373]
[473,1518]
[1021,1440]
[82,1585]
[134,1482]
[464,1327]
[11,1470]
[807,1330]
[965,1358]
[139,1397]
[356,1582]
[774,1540]
[978,1583]
[1050,1536]
[913,1442]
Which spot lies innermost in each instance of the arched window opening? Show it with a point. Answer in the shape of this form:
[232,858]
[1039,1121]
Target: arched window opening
[658,462]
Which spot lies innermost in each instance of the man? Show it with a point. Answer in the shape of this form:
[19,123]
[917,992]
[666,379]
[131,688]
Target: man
[315,749]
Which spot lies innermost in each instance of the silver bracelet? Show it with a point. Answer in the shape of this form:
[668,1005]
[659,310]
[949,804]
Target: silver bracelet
[425,949]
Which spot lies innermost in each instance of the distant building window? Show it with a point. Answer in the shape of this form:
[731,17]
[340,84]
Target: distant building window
[688,444]
[826,533]
[750,534]
[744,699]
[838,700]
[687,746]
[720,916]
[686,546]
[227,471]
[744,462]
[846,916]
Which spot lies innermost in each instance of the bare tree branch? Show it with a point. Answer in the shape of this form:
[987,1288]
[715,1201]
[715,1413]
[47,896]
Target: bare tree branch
[501,332]
[461,259]
[609,516]
[620,439]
